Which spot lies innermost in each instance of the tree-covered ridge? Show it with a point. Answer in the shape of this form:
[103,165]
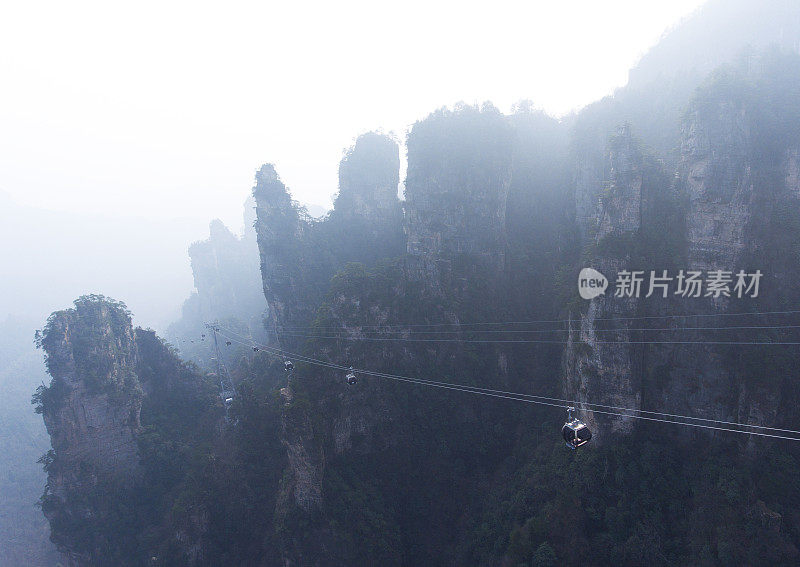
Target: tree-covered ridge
[124,450]
[312,471]
[299,255]
[389,447]
[368,172]
[99,348]
[459,172]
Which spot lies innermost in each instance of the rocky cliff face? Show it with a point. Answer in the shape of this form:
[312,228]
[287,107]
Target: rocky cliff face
[279,226]
[299,255]
[105,376]
[715,174]
[724,200]
[736,169]
[368,180]
[326,423]
[717,166]
[226,274]
[228,289]
[600,362]
[390,471]
[91,410]
[91,355]
[457,187]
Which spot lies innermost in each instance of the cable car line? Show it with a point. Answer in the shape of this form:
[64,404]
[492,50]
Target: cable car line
[553,321]
[544,341]
[468,389]
[562,330]
[533,399]
[288,365]
[574,402]
[227,387]
[563,401]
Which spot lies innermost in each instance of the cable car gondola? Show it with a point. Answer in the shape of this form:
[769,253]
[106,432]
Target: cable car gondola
[351,377]
[288,365]
[255,349]
[575,432]
[227,343]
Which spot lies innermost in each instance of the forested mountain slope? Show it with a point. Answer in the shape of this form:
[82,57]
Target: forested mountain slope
[697,172]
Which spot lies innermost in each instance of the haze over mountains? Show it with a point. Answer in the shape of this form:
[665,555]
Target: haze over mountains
[563,179]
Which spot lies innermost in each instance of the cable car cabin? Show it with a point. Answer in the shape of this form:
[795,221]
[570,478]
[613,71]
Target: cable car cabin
[351,377]
[288,365]
[255,349]
[575,432]
[227,397]
[227,343]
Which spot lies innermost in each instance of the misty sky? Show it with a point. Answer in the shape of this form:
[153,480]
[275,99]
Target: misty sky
[161,109]
[124,129]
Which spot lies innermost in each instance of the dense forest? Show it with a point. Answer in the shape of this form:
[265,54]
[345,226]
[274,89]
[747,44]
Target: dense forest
[468,281]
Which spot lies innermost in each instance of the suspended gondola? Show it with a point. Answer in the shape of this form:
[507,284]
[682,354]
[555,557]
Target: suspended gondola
[575,432]
[351,377]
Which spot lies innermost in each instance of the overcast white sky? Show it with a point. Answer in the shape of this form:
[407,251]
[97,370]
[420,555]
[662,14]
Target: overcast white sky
[163,109]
